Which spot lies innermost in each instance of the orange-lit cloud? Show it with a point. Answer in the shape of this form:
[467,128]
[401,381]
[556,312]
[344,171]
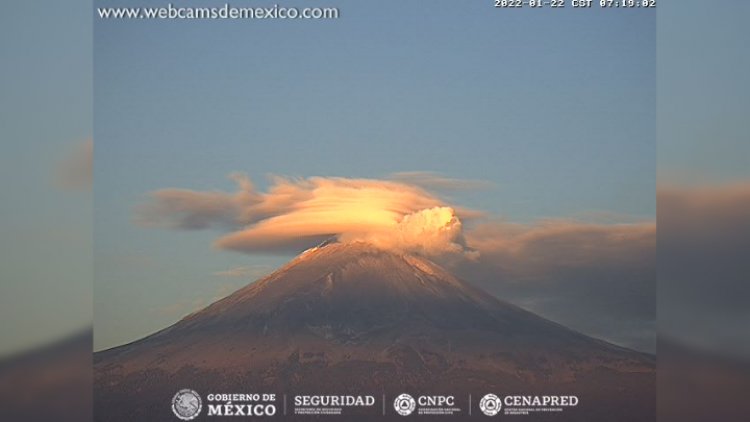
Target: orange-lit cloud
[597,278]
[297,213]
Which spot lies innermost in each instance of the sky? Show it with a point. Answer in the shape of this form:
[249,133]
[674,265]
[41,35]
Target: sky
[45,121]
[554,110]
[703,93]
[260,93]
[523,84]
[704,176]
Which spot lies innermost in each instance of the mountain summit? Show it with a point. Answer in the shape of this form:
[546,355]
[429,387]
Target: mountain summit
[351,317]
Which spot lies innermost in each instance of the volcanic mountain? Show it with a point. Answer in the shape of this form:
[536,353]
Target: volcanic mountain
[352,318]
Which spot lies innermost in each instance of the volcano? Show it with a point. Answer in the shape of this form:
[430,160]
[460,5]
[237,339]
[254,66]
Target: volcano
[350,318]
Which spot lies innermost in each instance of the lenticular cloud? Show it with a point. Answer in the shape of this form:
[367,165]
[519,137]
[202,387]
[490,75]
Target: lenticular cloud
[298,213]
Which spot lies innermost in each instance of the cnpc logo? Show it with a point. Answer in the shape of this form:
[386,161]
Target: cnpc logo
[405,404]
[437,401]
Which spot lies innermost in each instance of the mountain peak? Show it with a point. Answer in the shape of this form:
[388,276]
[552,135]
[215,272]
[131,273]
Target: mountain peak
[352,317]
[355,278]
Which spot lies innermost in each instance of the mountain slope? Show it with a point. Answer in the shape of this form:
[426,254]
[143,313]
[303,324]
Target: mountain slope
[354,318]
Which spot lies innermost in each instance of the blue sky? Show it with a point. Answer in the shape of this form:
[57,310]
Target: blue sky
[704,60]
[555,107]
[45,231]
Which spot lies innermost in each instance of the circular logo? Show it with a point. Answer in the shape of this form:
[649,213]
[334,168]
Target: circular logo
[490,404]
[404,404]
[186,404]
